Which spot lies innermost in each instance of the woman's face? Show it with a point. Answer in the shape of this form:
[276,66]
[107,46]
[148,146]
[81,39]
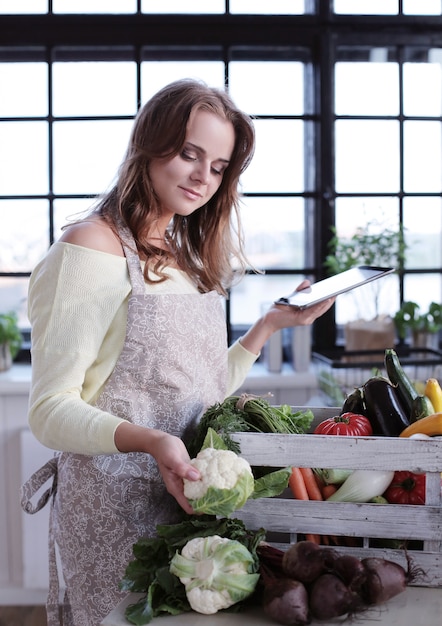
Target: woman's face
[186,182]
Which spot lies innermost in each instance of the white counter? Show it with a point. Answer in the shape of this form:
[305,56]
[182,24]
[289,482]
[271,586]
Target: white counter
[417,606]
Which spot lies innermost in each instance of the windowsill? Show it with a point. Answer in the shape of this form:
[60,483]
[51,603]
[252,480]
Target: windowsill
[17,379]
[259,375]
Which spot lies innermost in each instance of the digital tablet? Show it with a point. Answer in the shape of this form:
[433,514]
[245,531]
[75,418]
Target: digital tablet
[335,285]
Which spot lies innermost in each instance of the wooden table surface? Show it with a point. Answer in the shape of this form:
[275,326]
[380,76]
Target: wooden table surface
[417,606]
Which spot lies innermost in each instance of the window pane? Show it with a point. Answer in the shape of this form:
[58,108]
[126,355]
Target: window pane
[422,7]
[367,156]
[14,297]
[278,163]
[68,210]
[423,289]
[422,156]
[423,86]
[24,89]
[276,7]
[351,213]
[87,154]
[94,6]
[366,88]
[381,213]
[157,74]
[423,232]
[24,235]
[23,158]
[94,89]
[267,88]
[17,7]
[255,292]
[380,297]
[274,232]
[179,6]
[366,7]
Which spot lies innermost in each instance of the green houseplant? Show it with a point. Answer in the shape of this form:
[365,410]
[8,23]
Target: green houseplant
[370,244]
[422,327]
[10,339]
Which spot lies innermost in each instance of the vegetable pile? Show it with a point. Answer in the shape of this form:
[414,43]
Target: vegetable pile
[310,581]
[393,405]
[212,562]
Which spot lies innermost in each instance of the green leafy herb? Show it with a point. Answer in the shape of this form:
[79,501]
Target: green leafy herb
[248,413]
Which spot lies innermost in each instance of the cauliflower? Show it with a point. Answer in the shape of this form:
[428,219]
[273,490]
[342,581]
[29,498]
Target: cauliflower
[225,485]
[216,572]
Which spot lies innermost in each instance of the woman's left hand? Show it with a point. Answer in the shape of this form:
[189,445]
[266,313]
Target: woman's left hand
[281,316]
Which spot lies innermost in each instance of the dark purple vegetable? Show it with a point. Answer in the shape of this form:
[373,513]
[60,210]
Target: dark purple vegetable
[354,402]
[305,561]
[286,601]
[330,597]
[350,570]
[384,408]
[384,579]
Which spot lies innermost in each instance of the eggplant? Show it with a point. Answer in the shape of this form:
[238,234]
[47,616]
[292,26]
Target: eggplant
[354,403]
[384,408]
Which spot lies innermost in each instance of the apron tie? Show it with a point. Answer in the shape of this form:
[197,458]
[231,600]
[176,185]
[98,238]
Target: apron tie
[33,484]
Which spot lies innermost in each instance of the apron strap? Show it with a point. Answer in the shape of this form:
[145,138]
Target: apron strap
[33,484]
[28,490]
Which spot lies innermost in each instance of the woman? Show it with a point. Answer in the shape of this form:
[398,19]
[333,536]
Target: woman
[129,341]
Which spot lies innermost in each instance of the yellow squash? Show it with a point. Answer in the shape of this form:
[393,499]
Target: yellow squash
[433,391]
[430,425]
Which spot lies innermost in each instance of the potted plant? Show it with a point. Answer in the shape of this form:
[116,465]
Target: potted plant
[423,328]
[10,339]
[371,244]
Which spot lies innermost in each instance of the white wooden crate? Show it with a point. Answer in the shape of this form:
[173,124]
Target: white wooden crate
[287,517]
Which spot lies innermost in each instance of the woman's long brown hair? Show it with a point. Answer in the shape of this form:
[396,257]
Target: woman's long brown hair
[208,243]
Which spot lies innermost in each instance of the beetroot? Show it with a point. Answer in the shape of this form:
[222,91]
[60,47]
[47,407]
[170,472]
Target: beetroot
[305,561]
[286,602]
[350,570]
[384,580]
[330,597]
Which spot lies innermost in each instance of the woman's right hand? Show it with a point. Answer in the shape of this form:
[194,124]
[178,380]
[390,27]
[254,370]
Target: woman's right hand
[169,452]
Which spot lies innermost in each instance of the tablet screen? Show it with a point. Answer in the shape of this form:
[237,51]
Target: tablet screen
[333,286]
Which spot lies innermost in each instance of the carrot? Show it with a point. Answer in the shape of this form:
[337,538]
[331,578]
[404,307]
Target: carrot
[328,490]
[299,491]
[297,485]
[313,538]
[314,493]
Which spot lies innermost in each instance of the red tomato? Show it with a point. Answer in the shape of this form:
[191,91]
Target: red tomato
[346,424]
[406,488]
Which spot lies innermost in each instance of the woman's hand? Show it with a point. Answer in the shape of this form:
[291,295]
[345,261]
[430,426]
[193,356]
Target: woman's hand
[169,452]
[173,462]
[281,316]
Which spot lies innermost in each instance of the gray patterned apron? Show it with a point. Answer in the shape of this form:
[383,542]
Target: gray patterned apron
[172,367]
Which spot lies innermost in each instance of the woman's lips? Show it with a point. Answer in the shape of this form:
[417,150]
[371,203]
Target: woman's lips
[191,193]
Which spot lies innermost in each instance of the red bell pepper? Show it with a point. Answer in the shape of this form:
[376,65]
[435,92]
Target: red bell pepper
[406,488]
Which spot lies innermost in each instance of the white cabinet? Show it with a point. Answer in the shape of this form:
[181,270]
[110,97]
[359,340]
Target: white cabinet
[23,538]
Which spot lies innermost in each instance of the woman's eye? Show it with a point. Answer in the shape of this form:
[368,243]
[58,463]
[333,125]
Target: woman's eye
[188,156]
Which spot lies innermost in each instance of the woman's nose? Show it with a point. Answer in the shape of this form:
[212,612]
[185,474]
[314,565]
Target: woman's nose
[201,172]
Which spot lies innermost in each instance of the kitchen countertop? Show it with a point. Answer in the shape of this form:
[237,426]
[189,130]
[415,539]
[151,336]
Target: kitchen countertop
[416,606]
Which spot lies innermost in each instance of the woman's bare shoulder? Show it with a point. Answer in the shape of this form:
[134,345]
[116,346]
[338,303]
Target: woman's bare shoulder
[95,234]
